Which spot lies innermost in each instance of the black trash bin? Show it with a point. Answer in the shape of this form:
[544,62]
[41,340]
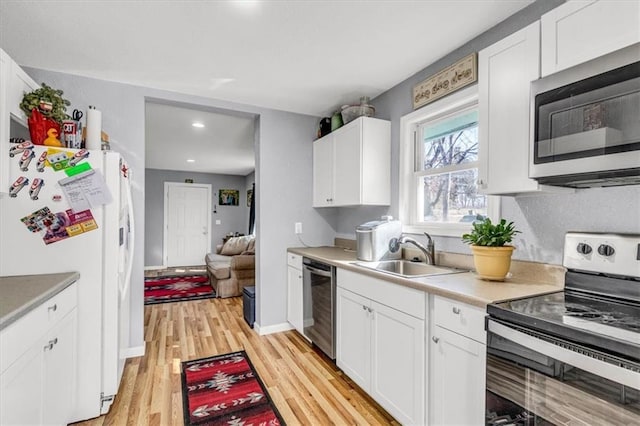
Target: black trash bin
[249,304]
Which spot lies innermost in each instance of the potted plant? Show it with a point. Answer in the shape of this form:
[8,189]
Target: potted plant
[491,254]
[45,109]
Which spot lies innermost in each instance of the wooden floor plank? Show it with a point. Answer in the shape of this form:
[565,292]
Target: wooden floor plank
[306,387]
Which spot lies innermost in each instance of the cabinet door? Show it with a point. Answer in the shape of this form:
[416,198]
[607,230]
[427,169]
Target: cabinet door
[457,379]
[19,83]
[294,299]
[4,122]
[323,172]
[506,70]
[348,164]
[59,380]
[398,358]
[21,390]
[578,31]
[353,337]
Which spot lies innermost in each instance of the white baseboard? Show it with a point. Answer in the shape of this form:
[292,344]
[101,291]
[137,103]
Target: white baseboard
[133,352]
[270,329]
[150,268]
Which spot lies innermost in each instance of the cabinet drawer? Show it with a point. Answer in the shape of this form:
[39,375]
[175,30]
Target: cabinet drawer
[396,296]
[294,260]
[460,318]
[25,332]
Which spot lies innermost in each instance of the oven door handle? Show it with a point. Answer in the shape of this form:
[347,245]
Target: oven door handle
[318,271]
[595,366]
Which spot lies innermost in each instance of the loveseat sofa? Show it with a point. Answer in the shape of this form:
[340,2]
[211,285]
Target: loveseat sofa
[232,267]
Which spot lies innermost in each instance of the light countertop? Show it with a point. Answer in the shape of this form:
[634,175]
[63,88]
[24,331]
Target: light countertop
[19,295]
[530,280]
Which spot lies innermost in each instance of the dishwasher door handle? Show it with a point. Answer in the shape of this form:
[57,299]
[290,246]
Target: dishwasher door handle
[317,271]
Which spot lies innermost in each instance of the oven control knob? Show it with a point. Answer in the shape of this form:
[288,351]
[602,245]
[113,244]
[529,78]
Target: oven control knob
[584,248]
[605,250]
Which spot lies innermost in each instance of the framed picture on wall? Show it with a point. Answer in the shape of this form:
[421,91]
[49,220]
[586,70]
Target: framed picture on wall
[249,197]
[228,197]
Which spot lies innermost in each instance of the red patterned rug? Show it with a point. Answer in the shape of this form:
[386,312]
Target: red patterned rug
[226,390]
[177,289]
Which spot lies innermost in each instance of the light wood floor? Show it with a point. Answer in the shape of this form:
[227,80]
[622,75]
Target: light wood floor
[307,387]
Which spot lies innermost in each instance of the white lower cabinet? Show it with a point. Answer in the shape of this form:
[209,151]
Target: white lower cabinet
[353,336]
[294,291]
[38,379]
[380,342]
[457,379]
[59,377]
[398,361]
[457,364]
[20,390]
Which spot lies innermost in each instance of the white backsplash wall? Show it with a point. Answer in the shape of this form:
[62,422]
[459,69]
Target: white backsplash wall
[545,219]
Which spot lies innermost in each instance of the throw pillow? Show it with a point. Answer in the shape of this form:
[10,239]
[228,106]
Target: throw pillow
[234,245]
[252,244]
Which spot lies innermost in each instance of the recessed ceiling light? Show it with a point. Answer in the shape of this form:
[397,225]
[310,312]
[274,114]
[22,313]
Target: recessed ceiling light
[191,160]
[197,124]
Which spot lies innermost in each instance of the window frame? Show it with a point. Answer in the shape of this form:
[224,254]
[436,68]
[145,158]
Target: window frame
[454,103]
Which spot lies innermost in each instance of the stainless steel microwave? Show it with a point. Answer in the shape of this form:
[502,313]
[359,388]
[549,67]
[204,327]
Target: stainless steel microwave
[585,120]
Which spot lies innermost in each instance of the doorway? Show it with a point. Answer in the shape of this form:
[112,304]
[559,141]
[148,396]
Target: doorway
[187,218]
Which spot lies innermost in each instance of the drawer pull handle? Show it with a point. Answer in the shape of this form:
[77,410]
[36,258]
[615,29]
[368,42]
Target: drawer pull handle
[53,308]
[51,344]
[435,339]
[456,310]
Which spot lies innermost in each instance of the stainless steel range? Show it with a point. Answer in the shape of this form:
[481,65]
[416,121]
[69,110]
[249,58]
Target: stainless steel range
[571,357]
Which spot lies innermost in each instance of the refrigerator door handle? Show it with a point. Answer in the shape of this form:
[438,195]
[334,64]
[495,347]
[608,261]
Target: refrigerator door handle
[127,280]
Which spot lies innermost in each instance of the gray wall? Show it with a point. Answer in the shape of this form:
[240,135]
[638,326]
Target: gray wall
[283,179]
[232,218]
[543,220]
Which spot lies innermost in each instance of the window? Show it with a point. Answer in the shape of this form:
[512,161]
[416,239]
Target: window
[439,168]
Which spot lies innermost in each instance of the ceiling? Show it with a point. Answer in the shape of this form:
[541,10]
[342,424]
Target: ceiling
[302,56]
[224,145]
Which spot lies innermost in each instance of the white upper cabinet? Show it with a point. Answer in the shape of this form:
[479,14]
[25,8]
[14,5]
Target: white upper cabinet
[19,83]
[352,165]
[505,71]
[323,172]
[578,31]
[13,83]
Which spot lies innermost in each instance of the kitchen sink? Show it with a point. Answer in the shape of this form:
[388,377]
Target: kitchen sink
[407,268]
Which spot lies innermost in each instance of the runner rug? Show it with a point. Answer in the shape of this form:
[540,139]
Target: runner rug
[226,390]
[177,289]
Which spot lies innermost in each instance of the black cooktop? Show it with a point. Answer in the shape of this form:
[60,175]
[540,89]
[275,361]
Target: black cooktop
[601,323]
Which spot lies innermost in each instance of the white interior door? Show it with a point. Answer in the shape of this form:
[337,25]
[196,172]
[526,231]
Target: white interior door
[187,218]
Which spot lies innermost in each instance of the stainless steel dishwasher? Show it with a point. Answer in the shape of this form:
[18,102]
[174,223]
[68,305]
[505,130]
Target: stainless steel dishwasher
[319,305]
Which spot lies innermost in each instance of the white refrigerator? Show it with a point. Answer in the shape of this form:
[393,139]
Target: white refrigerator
[83,222]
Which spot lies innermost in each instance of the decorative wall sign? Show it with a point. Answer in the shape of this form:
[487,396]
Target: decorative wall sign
[228,197]
[452,78]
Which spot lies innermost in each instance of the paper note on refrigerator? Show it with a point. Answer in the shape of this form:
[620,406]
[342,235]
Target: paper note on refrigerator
[86,190]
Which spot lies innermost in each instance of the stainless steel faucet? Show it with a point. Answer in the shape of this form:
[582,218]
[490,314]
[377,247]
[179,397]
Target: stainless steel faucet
[429,250]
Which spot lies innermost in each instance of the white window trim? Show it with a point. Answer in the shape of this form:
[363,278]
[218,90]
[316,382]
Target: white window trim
[461,99]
